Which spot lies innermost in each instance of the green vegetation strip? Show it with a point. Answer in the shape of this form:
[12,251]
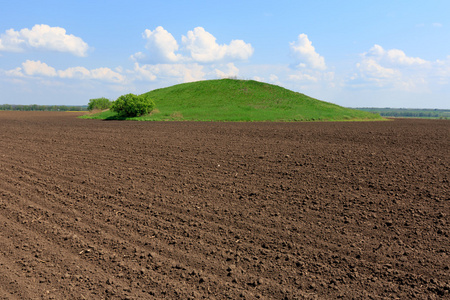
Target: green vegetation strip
[239,100]
[410,112]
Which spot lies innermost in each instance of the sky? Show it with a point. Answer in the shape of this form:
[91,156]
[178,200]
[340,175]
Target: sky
[372,53]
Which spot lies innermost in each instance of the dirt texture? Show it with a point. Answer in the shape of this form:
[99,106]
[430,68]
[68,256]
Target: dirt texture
[94,209]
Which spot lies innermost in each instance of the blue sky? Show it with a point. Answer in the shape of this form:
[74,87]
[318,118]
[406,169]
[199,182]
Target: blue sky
[353,53]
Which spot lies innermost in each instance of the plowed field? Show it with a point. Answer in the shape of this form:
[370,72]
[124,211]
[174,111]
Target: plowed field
[94,209]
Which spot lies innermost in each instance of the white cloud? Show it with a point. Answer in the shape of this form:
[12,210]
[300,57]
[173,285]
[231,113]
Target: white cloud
[33,68]
[198,46]
[145,72]
[178,72]
[199,56]
[202,47]
[138,56]
[38,69]
[310,71]
[161,46]
[230,70]
[394,57]
[239,50]
[106,74]
[11,41]
[75,72]
[393,69]
[42,37]
[370,68]
[17,72]
[306,54]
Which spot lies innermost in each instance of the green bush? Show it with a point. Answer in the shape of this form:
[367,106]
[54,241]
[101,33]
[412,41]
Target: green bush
[99,103]
[131,105]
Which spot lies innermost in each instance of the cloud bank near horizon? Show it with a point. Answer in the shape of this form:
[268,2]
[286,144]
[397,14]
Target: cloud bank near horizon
[32,68]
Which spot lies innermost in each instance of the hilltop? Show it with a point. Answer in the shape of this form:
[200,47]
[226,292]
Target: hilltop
[241,100]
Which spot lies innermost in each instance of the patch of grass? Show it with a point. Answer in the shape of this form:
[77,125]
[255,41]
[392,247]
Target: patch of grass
[100,115]
[241,100]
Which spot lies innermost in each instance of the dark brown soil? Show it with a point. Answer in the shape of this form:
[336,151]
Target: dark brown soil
[95,209]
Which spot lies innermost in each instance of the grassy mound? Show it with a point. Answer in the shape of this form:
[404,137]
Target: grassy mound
[240,100]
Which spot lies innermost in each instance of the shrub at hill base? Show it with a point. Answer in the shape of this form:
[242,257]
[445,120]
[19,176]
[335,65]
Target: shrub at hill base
[99,103]
[131,105]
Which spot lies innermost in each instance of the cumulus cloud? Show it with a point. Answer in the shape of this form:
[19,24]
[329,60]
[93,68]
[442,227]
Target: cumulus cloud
[197,46]
[11,41]
[202,47]
[196,56]
[161,46]
[306,54]
[33,68]
[42,37]
[40,69]
[393,57]
[392,69]
[310,69]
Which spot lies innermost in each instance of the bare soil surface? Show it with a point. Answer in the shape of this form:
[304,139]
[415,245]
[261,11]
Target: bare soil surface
[94,209]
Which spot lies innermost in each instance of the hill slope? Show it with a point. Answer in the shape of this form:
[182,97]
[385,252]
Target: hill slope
[244,100]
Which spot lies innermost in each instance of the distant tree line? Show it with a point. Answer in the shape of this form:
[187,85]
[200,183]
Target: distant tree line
[99,103]
[410,113]
[35,107]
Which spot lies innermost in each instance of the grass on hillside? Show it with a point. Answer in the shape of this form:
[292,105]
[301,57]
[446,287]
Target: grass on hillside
[240,100]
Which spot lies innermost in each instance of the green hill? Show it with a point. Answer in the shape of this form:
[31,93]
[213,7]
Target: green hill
[242,100]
